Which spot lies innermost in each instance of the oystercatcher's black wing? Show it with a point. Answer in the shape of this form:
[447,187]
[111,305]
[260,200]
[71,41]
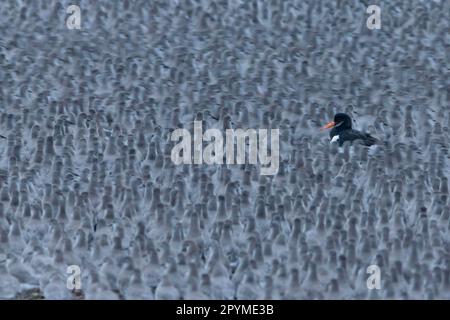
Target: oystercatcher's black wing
[361,137]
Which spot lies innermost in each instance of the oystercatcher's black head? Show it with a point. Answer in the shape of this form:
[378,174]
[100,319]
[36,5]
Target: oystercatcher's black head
[341,121]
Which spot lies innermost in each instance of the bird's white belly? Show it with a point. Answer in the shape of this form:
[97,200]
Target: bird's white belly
[334,139]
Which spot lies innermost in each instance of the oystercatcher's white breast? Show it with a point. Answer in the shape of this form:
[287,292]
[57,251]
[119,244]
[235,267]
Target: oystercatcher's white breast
[334,139]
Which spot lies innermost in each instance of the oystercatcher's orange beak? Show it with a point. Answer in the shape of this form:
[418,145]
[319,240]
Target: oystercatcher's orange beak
[328,125]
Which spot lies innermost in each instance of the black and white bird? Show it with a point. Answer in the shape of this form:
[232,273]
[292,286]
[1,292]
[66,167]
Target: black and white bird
[342,131]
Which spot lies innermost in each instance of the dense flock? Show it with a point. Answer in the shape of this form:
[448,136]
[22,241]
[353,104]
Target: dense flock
[86,176]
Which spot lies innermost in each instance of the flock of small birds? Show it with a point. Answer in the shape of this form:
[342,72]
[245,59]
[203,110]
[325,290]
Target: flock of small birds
[86,176]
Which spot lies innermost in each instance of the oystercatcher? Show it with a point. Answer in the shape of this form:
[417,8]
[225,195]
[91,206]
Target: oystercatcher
[342,131]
